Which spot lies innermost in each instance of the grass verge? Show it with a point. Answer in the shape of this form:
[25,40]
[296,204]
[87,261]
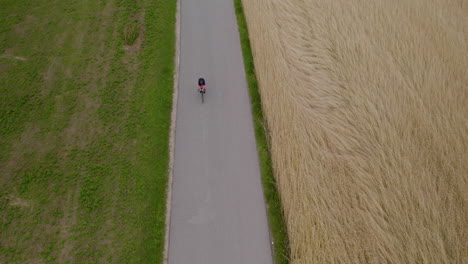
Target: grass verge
[274,211]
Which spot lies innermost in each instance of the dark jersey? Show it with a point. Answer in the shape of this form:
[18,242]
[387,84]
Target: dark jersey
[201,82]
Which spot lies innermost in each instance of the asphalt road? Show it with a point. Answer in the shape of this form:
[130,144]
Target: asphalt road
[218,213]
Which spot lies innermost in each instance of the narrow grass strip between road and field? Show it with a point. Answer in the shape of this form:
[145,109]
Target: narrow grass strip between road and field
[274,210]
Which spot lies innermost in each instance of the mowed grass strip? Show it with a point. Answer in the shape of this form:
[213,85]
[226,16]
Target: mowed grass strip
[275,214]
[85,101]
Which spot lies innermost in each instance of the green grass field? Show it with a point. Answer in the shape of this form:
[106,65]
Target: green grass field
[85,101]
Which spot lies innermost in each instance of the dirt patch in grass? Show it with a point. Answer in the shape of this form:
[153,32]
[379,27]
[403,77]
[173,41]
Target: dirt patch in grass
[135,46]
[27,143]
[56,68]
[16,201]
[66,224]
[81,130]
[21,27]
[50,73]
[9,54]
[83,126]
[134,33]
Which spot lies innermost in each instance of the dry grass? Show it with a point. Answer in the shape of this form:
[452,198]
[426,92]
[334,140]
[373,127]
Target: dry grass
[365,103]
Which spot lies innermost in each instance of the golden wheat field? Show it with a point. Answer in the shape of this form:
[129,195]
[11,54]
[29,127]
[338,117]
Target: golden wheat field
[366,109]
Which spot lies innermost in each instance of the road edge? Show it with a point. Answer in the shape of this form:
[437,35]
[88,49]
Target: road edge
[172,133]
[276,222]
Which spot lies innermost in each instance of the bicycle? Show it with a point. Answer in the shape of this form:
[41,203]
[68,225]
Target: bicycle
[202,91]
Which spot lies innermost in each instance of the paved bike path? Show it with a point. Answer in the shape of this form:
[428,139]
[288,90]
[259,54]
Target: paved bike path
[218,213]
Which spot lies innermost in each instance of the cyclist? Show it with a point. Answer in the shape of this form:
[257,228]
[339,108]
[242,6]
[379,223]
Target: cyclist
[201,85]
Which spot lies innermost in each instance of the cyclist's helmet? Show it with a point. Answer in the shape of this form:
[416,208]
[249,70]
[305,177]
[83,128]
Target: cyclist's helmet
[201,82]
